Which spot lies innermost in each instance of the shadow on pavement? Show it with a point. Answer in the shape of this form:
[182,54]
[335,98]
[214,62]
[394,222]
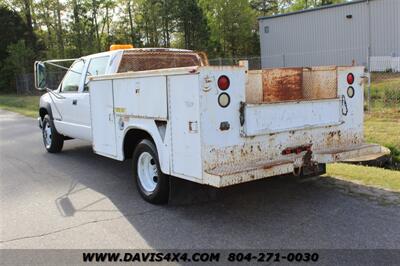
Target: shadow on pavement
[277,212]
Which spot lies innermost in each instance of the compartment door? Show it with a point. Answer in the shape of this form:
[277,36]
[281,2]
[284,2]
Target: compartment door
[103,118]
[260,119]
[185,125]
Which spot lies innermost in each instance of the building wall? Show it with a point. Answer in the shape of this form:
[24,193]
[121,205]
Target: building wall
[327,37]
[385,28]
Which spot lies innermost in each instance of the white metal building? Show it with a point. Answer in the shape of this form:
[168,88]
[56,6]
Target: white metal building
[366,32]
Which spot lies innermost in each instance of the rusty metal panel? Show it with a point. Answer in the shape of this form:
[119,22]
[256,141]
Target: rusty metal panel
[226,175]
[342,154]
[282,84]
[319,83]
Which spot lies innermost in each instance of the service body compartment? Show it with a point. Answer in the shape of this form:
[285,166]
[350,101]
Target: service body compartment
[185,125]
[142,97]
[103,118]
[253,137]
[163,104]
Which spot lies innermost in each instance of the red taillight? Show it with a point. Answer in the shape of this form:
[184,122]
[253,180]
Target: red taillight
[350,78]
[296,150]
[223,82]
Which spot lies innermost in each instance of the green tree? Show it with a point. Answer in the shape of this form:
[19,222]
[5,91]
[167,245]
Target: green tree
[265,7]
[15,56]
[296,5]
[232,24]
[192,26]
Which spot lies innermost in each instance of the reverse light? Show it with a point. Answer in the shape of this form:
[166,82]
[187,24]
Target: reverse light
[350,78]
[224,99]
[223,83]
[350,92]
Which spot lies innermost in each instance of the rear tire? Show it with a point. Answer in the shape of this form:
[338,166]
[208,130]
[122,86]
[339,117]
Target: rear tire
[151,183]
[53,142]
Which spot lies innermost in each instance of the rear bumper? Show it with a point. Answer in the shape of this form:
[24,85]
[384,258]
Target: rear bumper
[371,151]
[230,174]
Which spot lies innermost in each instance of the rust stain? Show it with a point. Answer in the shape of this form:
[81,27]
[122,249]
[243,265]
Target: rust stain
[333,138]
[282,84]
[292,84]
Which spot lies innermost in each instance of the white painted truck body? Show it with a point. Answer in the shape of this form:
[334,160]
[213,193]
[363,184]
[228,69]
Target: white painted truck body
[200,141]
[193,146]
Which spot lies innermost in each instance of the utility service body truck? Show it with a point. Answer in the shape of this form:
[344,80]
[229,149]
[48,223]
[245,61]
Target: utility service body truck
[175,115]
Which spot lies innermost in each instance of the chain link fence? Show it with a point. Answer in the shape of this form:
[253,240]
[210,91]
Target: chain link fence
[384,90]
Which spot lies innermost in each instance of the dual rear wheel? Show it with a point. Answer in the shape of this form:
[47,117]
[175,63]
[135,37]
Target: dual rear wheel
[152,184]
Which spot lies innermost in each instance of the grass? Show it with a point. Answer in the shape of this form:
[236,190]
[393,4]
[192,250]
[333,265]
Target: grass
[364,175]
[383,126]
[26,105]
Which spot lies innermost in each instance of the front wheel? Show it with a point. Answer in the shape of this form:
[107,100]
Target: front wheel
[152,184]
[53,142]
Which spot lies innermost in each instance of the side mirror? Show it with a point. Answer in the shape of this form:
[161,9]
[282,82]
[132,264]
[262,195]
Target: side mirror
[40,76]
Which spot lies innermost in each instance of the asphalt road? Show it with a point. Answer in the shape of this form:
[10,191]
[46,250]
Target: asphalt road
[77,199]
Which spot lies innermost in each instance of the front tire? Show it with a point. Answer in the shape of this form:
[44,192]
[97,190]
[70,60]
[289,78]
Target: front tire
[53,142]
[152,184]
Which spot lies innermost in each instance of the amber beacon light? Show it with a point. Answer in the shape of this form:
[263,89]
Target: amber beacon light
[120,47]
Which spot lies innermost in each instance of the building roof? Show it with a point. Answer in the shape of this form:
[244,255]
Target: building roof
[313,9]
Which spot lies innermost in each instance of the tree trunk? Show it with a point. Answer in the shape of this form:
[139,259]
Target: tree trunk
[77,27]
[59,33]
[28,18]
[96,25]
[132,35]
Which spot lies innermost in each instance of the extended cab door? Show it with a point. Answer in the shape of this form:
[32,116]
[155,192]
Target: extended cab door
[74,103]
[67,123]
[95,66]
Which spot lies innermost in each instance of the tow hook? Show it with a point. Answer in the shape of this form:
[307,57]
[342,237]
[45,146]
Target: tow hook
[308,166]
[297,171]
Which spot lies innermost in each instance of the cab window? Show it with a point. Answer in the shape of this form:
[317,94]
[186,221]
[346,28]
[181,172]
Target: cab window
[73,77]
[97,66]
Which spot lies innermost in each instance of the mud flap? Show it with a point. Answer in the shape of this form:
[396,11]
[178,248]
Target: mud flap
[183,192]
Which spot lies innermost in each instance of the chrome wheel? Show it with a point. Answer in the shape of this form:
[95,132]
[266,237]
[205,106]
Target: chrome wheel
[47,135]
[147,172]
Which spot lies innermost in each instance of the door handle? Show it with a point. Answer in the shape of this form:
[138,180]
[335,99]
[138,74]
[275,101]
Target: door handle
[74,101]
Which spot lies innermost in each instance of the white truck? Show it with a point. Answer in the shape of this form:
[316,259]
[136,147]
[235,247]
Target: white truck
[175,115]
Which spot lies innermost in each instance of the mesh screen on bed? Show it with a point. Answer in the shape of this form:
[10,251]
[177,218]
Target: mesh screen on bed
[150,60]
